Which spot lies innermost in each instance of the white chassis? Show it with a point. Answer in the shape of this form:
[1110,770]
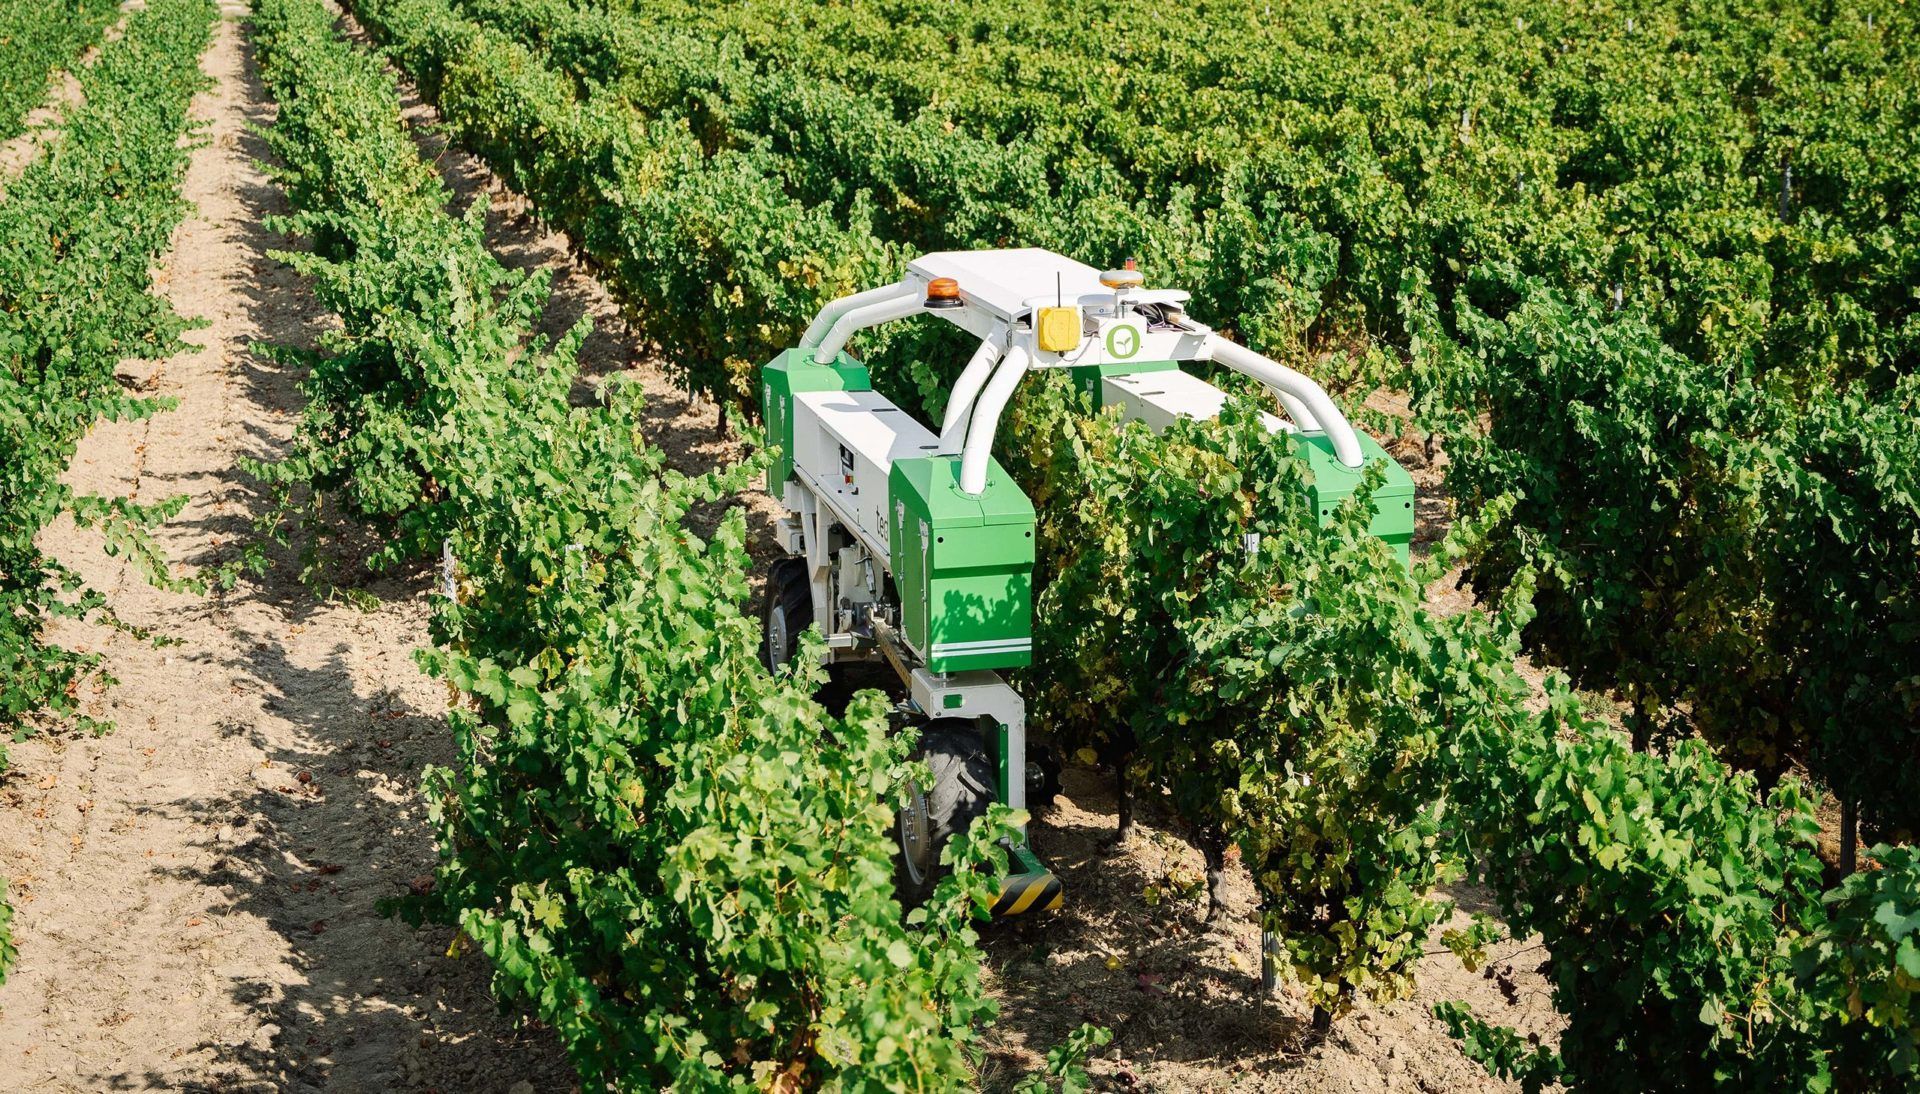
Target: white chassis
[845,443]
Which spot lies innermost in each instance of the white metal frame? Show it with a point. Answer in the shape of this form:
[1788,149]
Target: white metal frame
[845,443]
[999,293]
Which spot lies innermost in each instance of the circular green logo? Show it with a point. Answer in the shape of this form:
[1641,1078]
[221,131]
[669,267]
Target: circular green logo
[1123,341]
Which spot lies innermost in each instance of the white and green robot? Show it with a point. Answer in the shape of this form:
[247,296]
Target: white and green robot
[914,547]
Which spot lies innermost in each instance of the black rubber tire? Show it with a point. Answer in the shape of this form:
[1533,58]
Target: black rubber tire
[962,790]
[786,609]
[1044,795]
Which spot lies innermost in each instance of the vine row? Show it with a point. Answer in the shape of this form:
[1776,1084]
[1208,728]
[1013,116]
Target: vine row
[678,862]
[1330,728]
[36,41]
[1480,203]
[79,234]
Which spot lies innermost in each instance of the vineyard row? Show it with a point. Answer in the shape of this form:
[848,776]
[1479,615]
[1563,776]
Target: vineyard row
[641,829]
[1682,317]
[36,41]
[1358,752]
[80,232]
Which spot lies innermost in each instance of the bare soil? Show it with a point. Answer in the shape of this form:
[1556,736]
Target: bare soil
[197,890]
[1131,951]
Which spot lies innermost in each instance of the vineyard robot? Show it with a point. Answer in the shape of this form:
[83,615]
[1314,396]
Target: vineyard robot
[914,547]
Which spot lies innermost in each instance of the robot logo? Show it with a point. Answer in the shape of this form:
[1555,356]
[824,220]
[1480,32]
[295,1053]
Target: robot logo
[1123,341]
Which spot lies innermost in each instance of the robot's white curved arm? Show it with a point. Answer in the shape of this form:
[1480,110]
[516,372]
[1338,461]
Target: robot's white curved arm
[1297,412]
[953,430]
[983,388]
[823,322]
[1309,406]
[900,302]
[986,419]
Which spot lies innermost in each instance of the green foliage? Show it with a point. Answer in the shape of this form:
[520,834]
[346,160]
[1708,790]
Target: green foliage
[1867,965]
[37,40]
[1842,479]
[1470,945]
[721,267]
[7,951]
[1682,914]
[1358,748]
[1066,1063]
[1500,1050]
[382,247]
[1701,537]
[1670,903]
[1672,380]
[1276,676]
[680,863]
[85,224]
[1681,229]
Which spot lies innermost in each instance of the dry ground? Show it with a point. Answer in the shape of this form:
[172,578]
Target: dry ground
[196,891]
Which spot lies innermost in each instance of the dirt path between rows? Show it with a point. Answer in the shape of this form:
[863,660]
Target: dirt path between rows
[197,890]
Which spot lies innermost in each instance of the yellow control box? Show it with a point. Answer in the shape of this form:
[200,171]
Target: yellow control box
[1058,329]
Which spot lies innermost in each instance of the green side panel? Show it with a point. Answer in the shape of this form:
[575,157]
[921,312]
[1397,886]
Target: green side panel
[1088,377]
[1333,482]
[1003,775]
[786,376]
[963,566]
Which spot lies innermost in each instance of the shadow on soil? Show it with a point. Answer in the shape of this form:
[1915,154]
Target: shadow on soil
[1060,971]
[378,1006]
[332,824]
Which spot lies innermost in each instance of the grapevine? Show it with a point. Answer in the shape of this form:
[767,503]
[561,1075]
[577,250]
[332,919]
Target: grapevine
[85,224]
[1437,198]
[35,42]
[1638,278]
[623,108]
[677,861]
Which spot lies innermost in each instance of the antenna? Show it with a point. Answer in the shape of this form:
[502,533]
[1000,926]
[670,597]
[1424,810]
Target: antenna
[1059,292]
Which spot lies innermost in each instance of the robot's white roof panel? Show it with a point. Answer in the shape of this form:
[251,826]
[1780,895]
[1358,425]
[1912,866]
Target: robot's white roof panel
[867,423]
[1006,282]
